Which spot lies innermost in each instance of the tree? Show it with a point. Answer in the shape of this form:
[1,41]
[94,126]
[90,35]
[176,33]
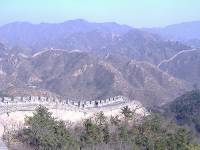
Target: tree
[100,119]
[126,111]
[106,134]
[92,133]
[44,132]
[114,120]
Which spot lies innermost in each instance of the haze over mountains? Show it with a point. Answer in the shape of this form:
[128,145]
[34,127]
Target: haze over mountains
[42,35]
[82,60]
[98,38]
[187,32]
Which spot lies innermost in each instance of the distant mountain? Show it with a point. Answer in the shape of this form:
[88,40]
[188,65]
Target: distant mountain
[134,44]
[43,35]
[82,60]
[4,52]
[188,31]
[79,75]
[97,38]
[144,46]
[194,43]
[185,65]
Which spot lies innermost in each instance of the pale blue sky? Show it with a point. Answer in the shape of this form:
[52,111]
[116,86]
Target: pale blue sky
[137,13]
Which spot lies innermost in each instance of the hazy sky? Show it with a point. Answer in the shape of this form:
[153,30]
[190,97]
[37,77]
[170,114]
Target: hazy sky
[137,13]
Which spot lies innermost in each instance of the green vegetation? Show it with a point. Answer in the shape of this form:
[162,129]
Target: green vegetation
[43,132]
[186,109]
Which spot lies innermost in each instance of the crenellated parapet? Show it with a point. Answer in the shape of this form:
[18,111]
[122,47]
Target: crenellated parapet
[58,102]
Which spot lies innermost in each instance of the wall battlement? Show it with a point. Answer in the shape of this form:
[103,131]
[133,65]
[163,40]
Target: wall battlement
[57,101]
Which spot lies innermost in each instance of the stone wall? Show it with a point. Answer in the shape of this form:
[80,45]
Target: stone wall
[57,101]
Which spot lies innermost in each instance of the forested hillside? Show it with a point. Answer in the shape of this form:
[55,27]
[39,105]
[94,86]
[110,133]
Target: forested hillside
[42,132]
[185,110]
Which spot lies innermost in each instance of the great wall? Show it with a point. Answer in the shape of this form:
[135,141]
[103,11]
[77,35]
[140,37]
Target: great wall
[9,103]
[14,109]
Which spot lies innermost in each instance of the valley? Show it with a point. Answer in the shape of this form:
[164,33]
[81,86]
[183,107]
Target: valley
[76,70]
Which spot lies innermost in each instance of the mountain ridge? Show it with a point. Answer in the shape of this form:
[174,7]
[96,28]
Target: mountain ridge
[97,38]
[186,32]
[184,66]
[80,75]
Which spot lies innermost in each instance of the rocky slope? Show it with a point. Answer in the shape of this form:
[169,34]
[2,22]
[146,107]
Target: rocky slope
[144,46]
[185,65]
[79,75]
